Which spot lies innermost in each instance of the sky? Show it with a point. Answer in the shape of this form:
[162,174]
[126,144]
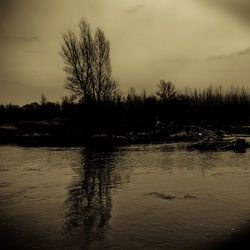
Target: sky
[192,43]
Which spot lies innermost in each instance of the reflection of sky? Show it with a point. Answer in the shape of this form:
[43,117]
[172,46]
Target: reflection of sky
[193,43]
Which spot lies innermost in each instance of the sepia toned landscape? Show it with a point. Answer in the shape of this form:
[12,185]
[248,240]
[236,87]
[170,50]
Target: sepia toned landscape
[124,124]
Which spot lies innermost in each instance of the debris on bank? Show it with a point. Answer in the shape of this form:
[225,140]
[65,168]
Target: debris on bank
[217,140]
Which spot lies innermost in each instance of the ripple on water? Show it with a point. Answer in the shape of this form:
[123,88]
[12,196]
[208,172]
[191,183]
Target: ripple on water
[171,197]
[146,196]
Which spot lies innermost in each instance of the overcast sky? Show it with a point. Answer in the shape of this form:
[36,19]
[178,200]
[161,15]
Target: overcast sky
[193,43]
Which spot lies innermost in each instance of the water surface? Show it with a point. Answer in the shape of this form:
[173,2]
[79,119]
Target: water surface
[143,196]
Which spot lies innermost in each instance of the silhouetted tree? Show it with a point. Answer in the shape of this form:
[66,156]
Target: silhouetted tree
[131,96]
[88,64]
[43,100]
[102,66]
[166,90]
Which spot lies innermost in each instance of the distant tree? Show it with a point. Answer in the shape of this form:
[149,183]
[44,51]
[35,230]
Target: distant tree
[144,95]
[88,64]
[43,100]
[166,90]
[131,96]
[66,100]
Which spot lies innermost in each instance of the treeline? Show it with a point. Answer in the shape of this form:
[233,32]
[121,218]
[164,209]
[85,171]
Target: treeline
[139,112]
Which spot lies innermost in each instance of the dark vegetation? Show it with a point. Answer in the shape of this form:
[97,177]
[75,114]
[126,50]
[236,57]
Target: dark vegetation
[97,111]
[133,112]
[148,116]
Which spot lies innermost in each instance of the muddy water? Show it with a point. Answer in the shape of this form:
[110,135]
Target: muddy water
[135,197]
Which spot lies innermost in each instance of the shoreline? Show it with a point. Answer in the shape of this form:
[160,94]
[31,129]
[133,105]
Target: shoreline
[199,138]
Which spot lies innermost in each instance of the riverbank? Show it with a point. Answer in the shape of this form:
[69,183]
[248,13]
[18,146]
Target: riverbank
[57,133]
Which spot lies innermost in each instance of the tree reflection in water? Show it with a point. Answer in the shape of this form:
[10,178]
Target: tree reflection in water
[89,203]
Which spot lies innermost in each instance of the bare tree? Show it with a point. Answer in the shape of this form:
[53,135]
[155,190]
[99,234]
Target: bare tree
[88,58]
[166,90]
[43,100]
[102,67]
[131,96]
[88,64]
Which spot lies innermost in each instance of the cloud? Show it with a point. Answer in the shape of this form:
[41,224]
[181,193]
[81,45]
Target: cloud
[5,6]
[20,39]
[230,55]
[134,9]
[28,51]
[238,8]
[182,59]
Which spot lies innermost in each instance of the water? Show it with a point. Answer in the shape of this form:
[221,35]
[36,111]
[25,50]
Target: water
[135,197]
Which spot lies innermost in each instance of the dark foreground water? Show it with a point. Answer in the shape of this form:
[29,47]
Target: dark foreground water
[136,197]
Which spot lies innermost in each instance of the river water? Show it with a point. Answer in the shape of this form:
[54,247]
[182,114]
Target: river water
[135,197]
